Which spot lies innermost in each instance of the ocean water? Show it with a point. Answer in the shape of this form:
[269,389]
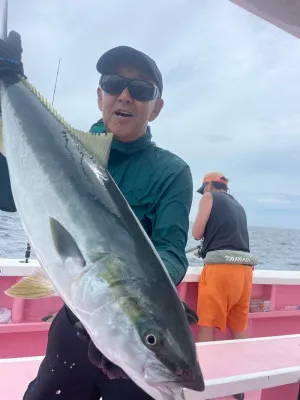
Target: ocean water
[276,248]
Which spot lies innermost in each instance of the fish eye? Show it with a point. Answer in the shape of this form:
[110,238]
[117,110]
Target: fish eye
[151,339]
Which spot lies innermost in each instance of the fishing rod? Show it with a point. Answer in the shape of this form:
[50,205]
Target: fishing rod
[57,72]
[191,249]
[194,248]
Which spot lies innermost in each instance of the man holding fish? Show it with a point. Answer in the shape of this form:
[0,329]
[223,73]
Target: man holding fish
[123,333]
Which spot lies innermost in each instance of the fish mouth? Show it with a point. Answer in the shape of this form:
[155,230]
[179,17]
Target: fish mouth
[195,383]
[188,378]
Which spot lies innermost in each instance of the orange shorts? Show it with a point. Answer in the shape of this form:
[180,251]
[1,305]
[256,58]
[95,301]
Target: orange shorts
[224,293]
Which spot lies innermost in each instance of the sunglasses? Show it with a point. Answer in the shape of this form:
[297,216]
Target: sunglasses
[139,90]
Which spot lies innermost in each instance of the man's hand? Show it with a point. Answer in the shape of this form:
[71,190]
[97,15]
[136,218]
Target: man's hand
[11,54]
[197,252]
[111,370]
[191,315]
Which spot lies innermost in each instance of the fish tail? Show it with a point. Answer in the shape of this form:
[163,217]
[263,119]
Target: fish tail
[36,286]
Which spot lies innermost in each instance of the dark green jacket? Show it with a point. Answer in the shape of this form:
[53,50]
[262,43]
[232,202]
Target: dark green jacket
[158,186]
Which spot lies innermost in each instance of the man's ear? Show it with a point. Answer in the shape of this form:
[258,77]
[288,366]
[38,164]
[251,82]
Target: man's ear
[158,105]
[99,98]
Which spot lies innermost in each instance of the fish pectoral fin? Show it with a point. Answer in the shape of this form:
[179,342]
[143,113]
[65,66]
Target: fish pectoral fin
[35,286]
[97,145]
[65,244]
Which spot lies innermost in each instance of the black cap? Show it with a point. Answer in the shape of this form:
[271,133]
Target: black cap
[201,189]
[107,62]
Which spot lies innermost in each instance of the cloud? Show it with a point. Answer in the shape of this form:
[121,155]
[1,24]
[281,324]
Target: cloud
[275,201]
[216,138]
[271,209]
[231,84]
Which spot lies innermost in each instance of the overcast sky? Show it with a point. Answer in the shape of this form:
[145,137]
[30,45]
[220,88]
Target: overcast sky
[231,86]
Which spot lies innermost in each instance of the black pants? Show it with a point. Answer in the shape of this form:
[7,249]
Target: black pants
[67,374]
[6,197]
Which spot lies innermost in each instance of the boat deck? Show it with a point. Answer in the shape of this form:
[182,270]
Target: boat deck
[255,366]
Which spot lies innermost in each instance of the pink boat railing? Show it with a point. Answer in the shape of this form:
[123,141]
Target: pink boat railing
[277,291]
[26,335]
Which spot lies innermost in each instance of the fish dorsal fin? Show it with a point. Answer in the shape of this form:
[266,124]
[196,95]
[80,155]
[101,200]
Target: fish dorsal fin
[97,145]
[65,244]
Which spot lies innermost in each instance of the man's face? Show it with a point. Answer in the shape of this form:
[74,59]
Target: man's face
[132,127]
